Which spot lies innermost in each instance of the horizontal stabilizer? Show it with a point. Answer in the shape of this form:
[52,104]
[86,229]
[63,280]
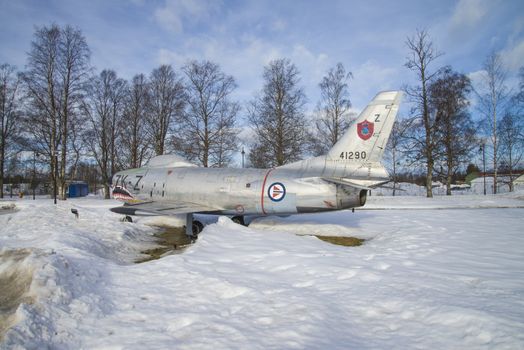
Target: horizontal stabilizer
[360,184]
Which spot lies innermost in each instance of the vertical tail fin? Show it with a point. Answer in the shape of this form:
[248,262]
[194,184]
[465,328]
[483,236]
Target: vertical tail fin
[368,135]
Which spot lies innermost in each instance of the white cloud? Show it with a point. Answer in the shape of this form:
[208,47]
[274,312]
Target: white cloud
[461,29]
[370,78]
[278,25]
[175,12]
[513,57]
[477,77]
[468,14]
[166,56]
[314,65]
[244,58]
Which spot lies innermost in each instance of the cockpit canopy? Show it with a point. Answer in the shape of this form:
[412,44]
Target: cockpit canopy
[169,161]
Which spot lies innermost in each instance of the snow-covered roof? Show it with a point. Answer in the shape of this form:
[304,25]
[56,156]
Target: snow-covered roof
[519,180]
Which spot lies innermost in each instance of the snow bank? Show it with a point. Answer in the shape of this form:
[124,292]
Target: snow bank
[299,225]
[423,279]
[505,200]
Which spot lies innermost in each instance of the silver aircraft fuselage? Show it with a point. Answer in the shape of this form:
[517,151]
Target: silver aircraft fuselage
[282,190]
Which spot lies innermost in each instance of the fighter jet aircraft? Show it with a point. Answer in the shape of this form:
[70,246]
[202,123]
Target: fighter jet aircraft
[341,179]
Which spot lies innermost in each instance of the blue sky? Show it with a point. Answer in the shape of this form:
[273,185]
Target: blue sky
[368,37]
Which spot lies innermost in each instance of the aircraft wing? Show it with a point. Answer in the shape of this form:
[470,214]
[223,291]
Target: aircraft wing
[163,208]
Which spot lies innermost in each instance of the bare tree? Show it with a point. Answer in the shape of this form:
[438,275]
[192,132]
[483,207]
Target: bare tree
[511,143]
[42,87]
[519,97]
[455,132]
[394,149]
[333,110]
[421,55]
[104,110]
[10,114]
[56,73]
[166,102]
[277,117]
[77,145]
[492,96]
[133,140]
[207,131]
[511,133]
[73,72]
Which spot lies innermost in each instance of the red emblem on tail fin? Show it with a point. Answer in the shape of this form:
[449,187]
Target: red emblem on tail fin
[365,129]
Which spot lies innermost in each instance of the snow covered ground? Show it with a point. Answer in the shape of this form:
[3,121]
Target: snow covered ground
[424,278]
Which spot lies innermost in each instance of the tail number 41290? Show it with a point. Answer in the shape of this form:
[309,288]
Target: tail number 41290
[353,155]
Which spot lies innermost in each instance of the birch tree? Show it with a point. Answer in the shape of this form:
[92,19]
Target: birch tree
[277,117]
[10,114]
[133,138]
[395,147]
[421,56]
[104,110]
[511,143]
[455,132]
[333,110]
[166,103]
[492,95]
[208,131]
[511,133]
[55,78]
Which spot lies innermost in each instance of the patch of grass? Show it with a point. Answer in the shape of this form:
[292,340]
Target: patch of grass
[15,280]
[170,239]
[344,241]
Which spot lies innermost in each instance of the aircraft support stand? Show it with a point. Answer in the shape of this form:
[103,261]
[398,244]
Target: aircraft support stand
[189,224]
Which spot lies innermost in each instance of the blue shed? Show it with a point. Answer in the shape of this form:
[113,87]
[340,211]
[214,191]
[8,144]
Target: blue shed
[78,189]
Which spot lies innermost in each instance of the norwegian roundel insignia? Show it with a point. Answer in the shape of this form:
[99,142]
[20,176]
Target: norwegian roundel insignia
[365,129]
[276,192]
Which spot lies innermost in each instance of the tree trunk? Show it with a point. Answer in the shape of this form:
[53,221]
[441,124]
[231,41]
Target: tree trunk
[429,170]
[2,155]
[429,181]
[494,104]
[448,184]
[2,160]
[449,160]
[495,165]
[106,191]
[134,146]
[394,172]
[62,176]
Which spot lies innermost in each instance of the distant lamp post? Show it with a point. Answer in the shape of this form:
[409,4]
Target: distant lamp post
[243,154]
[483,149]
